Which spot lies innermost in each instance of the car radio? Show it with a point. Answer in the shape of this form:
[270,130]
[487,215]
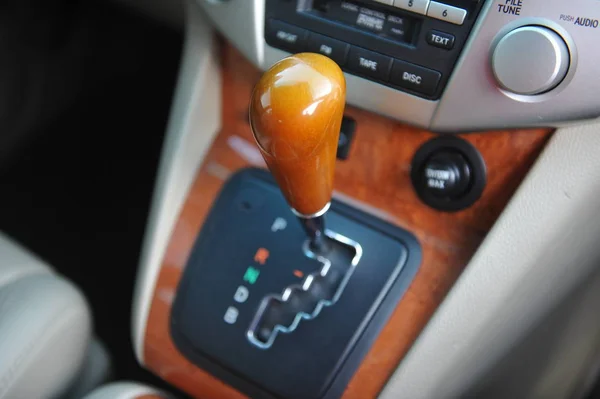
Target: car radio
[444,65]
[411,45]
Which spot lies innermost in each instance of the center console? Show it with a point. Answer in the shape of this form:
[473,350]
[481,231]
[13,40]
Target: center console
[240,306]
[253,299]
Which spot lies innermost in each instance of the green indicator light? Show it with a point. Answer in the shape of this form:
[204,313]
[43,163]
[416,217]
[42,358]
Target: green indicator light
[251,275]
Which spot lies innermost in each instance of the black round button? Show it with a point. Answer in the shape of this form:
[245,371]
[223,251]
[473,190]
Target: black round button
[448,173]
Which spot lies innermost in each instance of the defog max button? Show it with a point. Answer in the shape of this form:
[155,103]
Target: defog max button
[414,77]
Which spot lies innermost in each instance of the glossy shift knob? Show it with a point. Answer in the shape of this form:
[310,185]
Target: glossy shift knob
[296,113]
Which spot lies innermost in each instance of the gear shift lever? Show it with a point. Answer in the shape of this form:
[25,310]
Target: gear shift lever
[296,113]
[312,300]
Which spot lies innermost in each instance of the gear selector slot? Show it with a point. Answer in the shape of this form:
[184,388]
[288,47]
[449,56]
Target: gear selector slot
[283,313]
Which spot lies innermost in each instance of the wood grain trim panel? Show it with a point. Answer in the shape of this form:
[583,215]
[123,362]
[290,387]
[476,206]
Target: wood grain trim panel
[374,178]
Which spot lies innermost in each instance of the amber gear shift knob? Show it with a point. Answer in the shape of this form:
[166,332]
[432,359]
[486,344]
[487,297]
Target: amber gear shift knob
[296,113]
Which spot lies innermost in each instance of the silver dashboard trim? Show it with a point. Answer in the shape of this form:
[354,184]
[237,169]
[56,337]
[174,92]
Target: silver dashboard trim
[472,99]
[242,22]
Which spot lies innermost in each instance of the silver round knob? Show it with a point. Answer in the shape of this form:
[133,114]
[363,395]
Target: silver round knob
[531,60]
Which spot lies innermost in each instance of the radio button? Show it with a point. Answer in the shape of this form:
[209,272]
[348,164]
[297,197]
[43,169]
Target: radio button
[447,13]
[332,48]
[285,36]
[440,39]
[418,6]
[416,78]
[369,63]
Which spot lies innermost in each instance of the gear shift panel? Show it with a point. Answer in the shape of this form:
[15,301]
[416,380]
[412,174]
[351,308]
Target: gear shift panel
[259,310]
[270,309]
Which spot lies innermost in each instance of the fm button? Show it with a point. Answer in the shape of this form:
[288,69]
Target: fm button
[332,48]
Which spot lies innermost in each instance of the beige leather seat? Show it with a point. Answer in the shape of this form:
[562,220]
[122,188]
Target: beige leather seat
[46,345]
[45,327]
[127,390]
